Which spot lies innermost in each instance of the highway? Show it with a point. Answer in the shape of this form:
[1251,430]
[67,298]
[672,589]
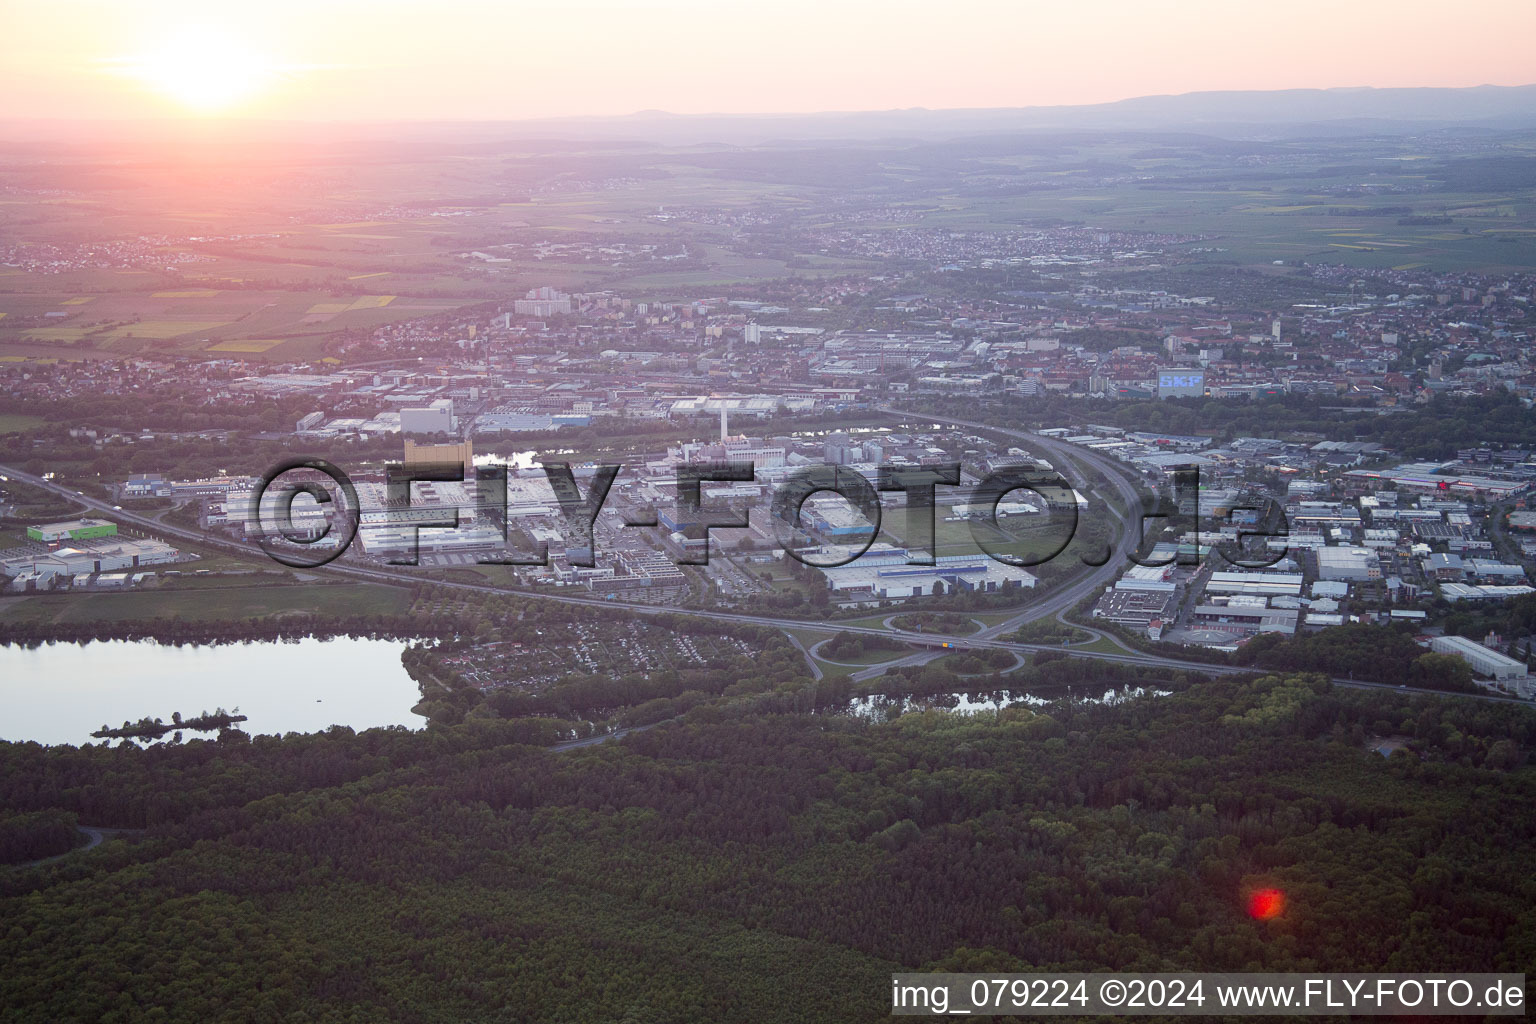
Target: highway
[1125,510]
[1049,605]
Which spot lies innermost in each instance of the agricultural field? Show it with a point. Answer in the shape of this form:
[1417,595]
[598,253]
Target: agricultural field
[243,322]
[293,261]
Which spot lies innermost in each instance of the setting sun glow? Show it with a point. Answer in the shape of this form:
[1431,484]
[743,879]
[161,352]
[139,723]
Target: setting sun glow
[204,69]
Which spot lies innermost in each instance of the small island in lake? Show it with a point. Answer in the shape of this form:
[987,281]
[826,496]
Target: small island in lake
[154,728]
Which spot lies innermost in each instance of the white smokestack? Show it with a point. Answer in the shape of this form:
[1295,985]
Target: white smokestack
[723,434]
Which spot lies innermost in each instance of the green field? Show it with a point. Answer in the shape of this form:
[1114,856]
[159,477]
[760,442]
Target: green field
[16,424]
[232,323]
[1102,645]
[866,659]
[202,605]
[1023,537]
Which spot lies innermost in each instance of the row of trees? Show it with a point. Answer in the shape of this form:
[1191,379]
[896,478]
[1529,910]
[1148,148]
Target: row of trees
[1385,654]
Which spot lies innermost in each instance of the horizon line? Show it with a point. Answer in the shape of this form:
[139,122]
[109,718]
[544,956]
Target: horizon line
[657,113]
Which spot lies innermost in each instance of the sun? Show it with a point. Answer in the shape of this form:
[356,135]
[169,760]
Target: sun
[204,69]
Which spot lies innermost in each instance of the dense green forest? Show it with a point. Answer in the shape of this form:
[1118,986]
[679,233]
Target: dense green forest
[743,865]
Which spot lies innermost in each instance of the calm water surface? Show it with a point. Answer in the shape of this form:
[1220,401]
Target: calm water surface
[61,693]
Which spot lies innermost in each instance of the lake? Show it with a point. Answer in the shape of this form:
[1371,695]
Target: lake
[61,693]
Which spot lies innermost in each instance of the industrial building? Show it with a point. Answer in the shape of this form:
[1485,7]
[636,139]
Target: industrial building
[1158,578]
[409,541]
[436,418]
[1350,564]
[645,577]
[1454,592]
[1493,571]
[1323,515]
[833,519]
[1486,662]
[459,454]
[1181,384]
[1330,589]
[888,574]
[72,530]
[1138,608]
[146,485]
[107,554]
[1430,478]
[1246,616]
[524,423]
[1255,584]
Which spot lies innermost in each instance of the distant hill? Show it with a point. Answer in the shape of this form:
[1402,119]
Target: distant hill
[1511,106]
[1287,113]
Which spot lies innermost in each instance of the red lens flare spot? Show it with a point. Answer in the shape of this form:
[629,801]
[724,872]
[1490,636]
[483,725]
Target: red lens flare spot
[1265,904]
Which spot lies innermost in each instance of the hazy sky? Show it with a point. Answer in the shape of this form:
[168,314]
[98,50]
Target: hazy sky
[370,59]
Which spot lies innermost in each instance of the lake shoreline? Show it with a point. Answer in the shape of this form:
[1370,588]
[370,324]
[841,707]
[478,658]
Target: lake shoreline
[62,693]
